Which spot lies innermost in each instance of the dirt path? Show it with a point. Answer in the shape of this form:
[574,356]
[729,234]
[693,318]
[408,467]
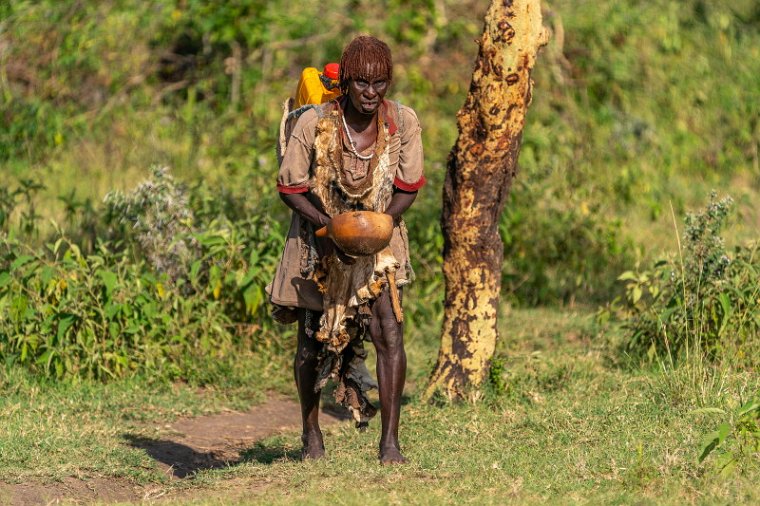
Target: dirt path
[193,444]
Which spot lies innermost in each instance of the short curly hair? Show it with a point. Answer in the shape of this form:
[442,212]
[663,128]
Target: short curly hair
[365,57]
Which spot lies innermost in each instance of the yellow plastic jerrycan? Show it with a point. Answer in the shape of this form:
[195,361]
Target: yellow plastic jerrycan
[317,87]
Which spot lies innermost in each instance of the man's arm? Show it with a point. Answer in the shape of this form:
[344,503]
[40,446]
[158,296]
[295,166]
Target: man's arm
[301,204]
[400,202]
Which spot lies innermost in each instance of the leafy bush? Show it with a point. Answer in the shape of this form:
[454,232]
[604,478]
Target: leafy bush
[706,301]
[159,293]
[99,316]
[21,200]
[156,218]
[557,248]
[736,440]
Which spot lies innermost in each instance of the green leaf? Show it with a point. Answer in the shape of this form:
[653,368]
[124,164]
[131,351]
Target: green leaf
[628,276]
[748,407]
[21,261]
[725,303]
[110,281]
[113,330]
[111,310]
[253,297]
[710,442]
[254,258]
[47,275]
[195,269]
[636,294]
[5,279]
[63,325]
[724,430]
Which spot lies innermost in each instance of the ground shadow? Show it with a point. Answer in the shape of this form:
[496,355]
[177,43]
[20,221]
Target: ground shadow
[332,408]
[181,459]
[269,453]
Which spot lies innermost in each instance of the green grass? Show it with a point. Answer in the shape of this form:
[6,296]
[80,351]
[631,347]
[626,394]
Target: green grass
[574,424]
[629,116]
[53,430]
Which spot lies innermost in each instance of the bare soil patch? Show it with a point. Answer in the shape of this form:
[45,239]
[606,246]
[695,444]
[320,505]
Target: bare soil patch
[214,441]
[71,491]
[193,444]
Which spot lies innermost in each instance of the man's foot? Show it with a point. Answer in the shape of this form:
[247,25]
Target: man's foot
[313,447]
[391,455]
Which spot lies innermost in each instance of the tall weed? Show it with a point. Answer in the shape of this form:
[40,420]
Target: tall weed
[707,301]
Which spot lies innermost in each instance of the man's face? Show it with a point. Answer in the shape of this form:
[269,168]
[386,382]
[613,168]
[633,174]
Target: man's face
[366,95]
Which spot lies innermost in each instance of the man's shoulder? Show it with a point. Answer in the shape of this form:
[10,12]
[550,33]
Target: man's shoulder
[305,124]
[408,114]
[306,115]
[408,121]
[402,116]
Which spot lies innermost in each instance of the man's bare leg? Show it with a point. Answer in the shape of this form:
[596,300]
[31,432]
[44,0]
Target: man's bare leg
[388,336]
[305,371]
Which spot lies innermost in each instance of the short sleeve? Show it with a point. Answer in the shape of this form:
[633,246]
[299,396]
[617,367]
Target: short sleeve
[409,174]
[293,176]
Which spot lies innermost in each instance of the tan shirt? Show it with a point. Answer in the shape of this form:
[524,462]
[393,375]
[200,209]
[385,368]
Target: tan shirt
[405,153]
[289,288]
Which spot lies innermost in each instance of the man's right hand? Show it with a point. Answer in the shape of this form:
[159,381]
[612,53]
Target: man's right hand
[326,246]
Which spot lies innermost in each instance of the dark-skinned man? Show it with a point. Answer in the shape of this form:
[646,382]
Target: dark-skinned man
[359,152]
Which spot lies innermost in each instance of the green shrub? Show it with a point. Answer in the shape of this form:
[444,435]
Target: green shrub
[160,292]
[736,441]
[559,248]
[99,316]
[705,301]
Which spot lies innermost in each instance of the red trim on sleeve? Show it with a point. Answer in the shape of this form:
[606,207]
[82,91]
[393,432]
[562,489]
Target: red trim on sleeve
[409,187]
[288,190]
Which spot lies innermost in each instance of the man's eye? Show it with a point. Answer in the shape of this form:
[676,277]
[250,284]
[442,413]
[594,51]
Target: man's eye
[361,83]
[379,83]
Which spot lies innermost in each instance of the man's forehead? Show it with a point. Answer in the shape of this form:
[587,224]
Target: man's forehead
[372,71]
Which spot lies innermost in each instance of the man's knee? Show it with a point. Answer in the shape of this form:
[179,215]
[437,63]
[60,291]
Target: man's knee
[391,337]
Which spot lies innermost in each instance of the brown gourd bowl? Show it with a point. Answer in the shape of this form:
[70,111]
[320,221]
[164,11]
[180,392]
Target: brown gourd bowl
[359,233]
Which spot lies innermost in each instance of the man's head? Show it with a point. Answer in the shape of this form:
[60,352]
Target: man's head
[366,70]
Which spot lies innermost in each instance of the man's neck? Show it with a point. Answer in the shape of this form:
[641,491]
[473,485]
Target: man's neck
[358,121]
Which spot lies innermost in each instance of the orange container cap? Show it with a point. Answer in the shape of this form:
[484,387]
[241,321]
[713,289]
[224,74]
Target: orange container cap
[331,71]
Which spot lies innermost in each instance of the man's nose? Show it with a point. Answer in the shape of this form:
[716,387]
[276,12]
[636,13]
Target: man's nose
[370,91]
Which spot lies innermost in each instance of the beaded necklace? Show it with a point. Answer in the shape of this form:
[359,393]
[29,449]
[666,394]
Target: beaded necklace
[352,144]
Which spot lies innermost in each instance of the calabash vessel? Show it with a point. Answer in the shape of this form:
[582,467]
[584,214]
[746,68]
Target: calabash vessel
[359,233]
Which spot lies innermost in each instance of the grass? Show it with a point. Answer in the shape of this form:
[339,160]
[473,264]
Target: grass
[629,116]
[53,430]
[574,424]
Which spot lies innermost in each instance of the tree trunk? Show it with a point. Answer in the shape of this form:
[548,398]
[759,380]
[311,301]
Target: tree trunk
[479,173]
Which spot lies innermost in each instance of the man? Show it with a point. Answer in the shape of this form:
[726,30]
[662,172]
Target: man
[359,152]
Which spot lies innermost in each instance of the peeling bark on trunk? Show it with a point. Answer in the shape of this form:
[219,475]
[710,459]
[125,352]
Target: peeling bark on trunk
[480,169]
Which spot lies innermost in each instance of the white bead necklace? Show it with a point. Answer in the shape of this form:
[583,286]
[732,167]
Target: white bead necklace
[352,144]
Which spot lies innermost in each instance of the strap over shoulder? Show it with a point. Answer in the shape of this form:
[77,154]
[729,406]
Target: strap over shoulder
[290,117]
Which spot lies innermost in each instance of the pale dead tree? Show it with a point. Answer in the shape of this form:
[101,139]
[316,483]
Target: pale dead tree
[480,170]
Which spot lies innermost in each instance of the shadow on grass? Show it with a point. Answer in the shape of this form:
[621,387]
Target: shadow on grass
[183,460]
[264,453]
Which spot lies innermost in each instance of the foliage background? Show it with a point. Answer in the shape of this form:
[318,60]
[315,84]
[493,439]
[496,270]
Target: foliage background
[637,107]
[139,225]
